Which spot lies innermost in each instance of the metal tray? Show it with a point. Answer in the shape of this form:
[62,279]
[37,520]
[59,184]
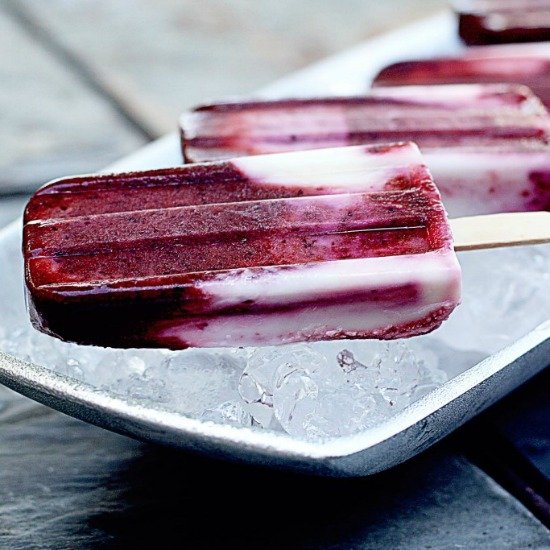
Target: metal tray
[382,446]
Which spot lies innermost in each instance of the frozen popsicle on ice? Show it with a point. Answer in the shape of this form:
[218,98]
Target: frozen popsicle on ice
[430,116]
[527,64]
[486,145]
[337,243]
[503,21]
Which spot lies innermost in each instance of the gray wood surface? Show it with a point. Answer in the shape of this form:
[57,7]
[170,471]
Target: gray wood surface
[524,419]
[171,54]
[66,484]
[51,123]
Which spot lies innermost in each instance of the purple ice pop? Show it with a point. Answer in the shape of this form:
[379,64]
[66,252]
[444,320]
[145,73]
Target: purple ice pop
[486,145]
[527,64]
[503,21]
[339,243]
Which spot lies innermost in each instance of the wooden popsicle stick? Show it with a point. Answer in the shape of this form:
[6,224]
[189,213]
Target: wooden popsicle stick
[497,230]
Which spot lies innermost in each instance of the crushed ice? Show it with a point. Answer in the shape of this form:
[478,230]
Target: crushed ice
[311,391]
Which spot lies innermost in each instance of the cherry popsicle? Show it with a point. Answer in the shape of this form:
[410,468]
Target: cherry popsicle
[527,64]
[338,243]
[503,21]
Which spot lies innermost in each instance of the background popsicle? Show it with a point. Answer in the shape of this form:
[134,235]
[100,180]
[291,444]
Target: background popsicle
[502,21]
[486,145]
[527,64]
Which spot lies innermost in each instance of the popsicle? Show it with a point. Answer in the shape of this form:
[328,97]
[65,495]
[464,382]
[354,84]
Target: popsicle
[328,244]
[527,64]
[486,145]
[502,21]
[430,116]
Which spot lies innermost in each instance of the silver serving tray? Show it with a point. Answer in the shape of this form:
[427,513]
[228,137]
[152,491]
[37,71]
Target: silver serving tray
[382,446]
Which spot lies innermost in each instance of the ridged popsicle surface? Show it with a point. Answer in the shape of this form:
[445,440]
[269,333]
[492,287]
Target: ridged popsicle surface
[342,243]
[486,145]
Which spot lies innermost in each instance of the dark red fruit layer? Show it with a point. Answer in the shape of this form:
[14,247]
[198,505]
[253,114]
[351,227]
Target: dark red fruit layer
[533,72]
[179,186]
[474,30]
[476,135]
[540,199]
[209,183]
[503,96]
[126,323]
[226,236]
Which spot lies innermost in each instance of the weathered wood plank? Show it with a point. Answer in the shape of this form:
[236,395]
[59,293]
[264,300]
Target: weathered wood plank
[167,55]
[64,483]
[524,419]
[52,125]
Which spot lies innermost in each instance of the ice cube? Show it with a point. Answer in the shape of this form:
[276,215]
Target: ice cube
[318,403]
[146,388]
[266,372]
[200,380]
[505,295]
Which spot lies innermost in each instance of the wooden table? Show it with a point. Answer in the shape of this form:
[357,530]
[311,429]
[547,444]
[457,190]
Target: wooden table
[85,82]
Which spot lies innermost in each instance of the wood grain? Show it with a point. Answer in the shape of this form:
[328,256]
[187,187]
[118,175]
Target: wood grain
[168,55]
[52,125]
[68,484]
